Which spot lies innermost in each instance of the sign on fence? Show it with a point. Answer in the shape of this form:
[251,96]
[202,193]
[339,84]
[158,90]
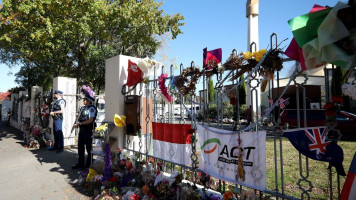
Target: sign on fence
[219,156]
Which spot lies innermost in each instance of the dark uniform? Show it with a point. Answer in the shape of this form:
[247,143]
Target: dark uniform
[57,125]
[84,139]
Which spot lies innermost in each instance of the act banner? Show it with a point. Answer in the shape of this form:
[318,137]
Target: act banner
[219,156]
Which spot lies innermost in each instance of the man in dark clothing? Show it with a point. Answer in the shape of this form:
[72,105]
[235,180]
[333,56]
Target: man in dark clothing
[86,125]
[57,114]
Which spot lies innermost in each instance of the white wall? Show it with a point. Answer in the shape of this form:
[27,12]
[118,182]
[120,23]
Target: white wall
[115,78]
[69,88]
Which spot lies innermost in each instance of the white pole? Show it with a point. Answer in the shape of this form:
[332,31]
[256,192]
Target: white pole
[252,10]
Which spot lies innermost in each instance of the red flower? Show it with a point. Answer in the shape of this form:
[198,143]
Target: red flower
[113,179]
[233,101]
[337,99]
[328,106]
[134,197]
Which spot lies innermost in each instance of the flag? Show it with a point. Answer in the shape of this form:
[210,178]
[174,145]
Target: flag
[283,103]
[349,189]
[215,54]
[135,74]
[172,142]
[318,34]
[219,156]
[312,143]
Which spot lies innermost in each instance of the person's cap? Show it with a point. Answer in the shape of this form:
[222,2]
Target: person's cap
[58,92]
[89,98]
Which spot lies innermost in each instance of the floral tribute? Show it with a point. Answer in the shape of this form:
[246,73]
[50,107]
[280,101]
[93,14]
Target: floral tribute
[331,108]
[162,86]
[129,178]
[180,81]
[349,89]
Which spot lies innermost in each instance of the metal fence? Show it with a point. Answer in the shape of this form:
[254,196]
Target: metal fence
[281,157]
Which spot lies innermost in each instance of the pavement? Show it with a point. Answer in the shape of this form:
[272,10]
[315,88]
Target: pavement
[27,173]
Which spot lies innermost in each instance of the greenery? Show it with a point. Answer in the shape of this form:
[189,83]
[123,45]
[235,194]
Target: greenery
[50,38]
[211,90]
[242,91]
[318,172]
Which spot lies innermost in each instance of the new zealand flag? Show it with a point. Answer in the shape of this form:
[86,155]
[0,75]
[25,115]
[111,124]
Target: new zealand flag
[312,143]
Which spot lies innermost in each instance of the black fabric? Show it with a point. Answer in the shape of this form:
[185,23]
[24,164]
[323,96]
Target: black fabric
[84,142]
[57,107]
[84,116]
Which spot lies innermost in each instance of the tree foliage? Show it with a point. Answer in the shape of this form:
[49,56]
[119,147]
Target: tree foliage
[211,90]
[50,38]
[242,91]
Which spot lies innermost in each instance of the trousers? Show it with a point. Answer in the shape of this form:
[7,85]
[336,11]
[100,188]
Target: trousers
[84,142]
[58,134]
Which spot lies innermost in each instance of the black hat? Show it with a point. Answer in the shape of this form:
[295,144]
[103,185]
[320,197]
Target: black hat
[58,92]
[89,98]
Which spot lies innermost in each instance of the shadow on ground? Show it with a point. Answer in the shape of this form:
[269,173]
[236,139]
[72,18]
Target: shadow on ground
[65,159]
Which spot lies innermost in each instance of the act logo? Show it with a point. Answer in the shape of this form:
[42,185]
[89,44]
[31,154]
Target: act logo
[210,141]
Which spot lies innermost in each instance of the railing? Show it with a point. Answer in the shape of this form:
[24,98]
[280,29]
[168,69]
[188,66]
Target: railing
[281,157]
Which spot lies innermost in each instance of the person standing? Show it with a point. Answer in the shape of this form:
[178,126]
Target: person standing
[86,126]
[57,114]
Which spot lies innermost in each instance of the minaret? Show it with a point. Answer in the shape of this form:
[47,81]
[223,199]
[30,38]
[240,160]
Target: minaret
[252,7]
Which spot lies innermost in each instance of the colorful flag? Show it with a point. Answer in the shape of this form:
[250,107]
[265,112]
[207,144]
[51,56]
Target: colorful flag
[219,156]
[318,35]
[294,51]
[283,103]
[349,189]
[215,54]
[312,143]
[172,142]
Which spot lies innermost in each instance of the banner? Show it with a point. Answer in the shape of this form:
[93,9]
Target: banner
[219,156]
[172,142]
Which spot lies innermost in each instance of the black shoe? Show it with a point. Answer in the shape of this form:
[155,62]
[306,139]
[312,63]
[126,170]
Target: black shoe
[77,166]
[59,150]
[53,149]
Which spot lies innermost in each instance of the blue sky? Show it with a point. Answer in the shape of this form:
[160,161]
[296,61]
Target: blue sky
[217,24]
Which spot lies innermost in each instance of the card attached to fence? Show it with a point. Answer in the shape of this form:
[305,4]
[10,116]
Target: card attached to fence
[219,156]
[172,142]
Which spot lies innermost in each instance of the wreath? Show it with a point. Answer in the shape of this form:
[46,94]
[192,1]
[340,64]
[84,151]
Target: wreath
[182,79]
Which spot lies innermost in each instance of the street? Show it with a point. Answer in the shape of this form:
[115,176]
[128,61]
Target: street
[35,173]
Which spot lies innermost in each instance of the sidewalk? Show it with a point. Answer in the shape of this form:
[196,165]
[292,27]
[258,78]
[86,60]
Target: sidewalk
[35,173]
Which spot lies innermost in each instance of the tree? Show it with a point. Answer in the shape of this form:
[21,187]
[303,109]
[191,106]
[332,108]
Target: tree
[74,38]
[211,90]
[242,91]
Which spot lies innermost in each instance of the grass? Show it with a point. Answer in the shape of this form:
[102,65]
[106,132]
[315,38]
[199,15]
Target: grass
[318,173]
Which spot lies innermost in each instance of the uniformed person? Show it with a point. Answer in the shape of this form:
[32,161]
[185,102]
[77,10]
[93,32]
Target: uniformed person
[86,126]
[57,114]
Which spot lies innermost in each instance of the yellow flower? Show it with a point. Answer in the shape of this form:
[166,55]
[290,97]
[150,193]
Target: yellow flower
[91,174]
[120,121]
[263,52]
[102,128]
[247,55]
